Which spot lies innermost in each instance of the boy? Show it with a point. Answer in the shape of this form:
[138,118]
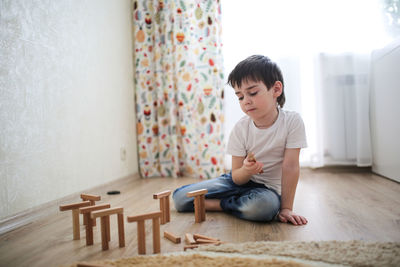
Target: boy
[265,147]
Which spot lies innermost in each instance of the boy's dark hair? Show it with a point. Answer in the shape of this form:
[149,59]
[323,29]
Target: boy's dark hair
[257,68]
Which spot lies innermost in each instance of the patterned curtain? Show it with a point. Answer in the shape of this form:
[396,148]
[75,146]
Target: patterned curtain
[179,87]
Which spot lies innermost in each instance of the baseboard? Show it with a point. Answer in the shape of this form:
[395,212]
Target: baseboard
[28,216]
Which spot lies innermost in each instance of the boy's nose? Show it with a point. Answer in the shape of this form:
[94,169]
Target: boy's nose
[246,100]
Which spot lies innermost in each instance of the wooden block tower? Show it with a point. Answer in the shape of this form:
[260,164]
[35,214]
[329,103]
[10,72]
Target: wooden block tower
[199,208]
[164,205]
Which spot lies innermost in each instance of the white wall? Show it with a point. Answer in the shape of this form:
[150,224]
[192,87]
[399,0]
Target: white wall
[66,99]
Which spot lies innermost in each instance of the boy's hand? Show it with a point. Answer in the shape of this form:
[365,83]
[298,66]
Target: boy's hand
[286,215]
[251,165]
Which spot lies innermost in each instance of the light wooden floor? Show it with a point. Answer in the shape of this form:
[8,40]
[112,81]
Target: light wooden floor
[340,204]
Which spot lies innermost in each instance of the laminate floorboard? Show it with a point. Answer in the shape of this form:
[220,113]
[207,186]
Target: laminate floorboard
[339,203]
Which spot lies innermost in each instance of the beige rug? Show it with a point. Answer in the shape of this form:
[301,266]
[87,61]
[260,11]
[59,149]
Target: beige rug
[289,254]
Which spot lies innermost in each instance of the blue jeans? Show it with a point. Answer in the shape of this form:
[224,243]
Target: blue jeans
[251,201]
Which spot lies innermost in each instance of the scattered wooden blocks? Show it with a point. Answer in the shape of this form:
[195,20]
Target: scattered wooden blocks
[86,211]
[199,208]
[172,237]
[75,216]
[105,225]
[198,237]
[164,205]
[140,219]
[194,240]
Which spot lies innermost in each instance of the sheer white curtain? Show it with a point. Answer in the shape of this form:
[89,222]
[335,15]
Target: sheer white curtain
[323,48]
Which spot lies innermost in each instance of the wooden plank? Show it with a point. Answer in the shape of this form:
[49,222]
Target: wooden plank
[162,194]
[121,230]
[104,241]
[167,211]
[93,208]
[75,224]
[162,208]
[141,235]
[106,212]
[202,208]
[144,216]
[196,192]
[197,209]
[74,206]
[108,227]
[156,235]
[89,229]
[90,197]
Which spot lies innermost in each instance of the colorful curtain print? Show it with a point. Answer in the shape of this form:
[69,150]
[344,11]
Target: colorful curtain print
[179,87]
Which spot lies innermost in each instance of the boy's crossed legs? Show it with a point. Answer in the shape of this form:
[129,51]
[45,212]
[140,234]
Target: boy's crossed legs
[251,201]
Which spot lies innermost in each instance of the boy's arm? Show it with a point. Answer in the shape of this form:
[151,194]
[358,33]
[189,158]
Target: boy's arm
[290,177]
[244,167]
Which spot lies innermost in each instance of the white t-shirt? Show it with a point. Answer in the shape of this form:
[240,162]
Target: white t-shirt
[268,145]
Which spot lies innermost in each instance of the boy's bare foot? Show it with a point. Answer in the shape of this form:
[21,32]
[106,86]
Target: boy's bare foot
[213,204]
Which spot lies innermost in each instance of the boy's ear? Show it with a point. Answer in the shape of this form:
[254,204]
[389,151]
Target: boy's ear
[277,87]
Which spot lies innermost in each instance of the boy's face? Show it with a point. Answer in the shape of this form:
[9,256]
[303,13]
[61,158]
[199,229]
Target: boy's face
[257,101]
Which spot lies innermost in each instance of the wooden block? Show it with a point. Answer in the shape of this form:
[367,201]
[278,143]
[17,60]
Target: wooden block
[156,235]
[107,227]
[89,229]
[164,205]
[106,212]
[141,235]
[206,241]
[155,216]
[121,230]
[167,210]
[202,208]
[190,247]
[162,194]
[172,237]
[198,236]
[196,193]
[189,239]
[144,216]
[93,208]
[251,157]
[85,197]
[82,264]
[104,241]
[163,210]
[197,209]
[75,224]
[74,206]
